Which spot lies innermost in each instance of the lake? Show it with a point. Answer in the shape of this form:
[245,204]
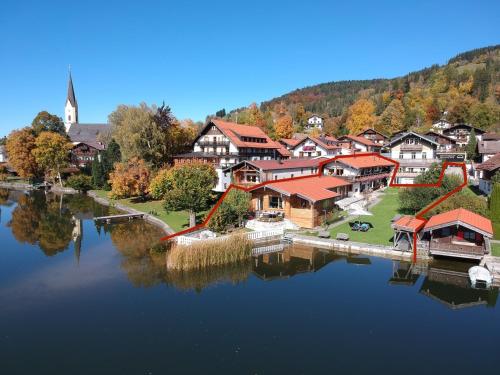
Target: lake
[81,298]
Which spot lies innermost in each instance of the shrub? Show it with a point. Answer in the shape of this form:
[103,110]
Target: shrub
[208,253]
[80,182]
[129,179]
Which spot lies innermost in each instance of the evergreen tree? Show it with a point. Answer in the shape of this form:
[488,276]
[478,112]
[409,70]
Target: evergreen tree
[98,175]
[495,203]
[471,146]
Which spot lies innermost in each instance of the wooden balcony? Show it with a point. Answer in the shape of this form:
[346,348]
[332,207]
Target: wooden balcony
[456,247]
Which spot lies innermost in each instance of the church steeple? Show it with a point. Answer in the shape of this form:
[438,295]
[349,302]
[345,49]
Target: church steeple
[71,107]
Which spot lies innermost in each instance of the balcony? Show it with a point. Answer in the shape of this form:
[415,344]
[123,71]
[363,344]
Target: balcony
[456,247]
[411,147]
[214,143]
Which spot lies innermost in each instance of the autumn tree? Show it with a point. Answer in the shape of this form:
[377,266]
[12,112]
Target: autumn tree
[391,120]
[360,116]
[129,179]
[284,127]
[190,188]
[51,153]
[46,122]
[19,146]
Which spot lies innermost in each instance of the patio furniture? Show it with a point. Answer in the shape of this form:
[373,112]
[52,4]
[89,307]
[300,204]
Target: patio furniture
[324,234]
[364,227]
[342,237]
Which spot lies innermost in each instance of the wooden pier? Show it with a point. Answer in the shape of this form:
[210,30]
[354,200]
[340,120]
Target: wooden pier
[108,219]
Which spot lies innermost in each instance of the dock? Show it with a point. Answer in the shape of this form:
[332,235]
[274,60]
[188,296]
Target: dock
[108,219]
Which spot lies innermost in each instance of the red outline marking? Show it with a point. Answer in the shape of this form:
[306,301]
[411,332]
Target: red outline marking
[321,166]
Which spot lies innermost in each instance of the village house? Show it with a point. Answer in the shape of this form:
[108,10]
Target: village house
[87,139]
[253,172]
[364,172]
[441,125]
[415,154]
[461,133]
[486,171]
[360,143]
[315,122]
[306,201]
[458,233]
[309,147]
[489,146]
[374,136]
[224,144]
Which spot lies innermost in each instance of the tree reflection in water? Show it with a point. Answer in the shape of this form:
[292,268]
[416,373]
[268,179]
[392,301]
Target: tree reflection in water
[40,219]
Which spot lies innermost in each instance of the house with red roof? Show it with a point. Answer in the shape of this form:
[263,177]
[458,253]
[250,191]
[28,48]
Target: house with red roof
[366,172]
[304,201]
[360,143]
[224,144]
[253,172]
[309,147]
[458,233]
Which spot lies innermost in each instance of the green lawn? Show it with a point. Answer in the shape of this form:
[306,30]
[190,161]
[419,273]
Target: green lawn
[383,212]
[177,220]
[495,249]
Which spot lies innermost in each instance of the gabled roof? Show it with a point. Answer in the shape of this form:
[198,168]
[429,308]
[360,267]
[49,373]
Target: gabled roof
[71,92]
[491,164]
[359,139]
[409,223]
[435,135]
[405,134]
[282,150]
[87,133]
[488,147]
[269,165]
[491,137]
[291,142]
[312,189]
[235,131]
[469,126]
[365,161]
[461,216]
[320,142]
[374,131]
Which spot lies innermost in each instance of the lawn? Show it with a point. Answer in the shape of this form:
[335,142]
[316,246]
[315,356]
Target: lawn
[381,231]
[177,220]
[495,249]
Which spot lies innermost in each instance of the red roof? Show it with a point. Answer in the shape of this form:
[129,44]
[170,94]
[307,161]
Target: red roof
[409,223]
[282,150]
[235,131]
[361,140]
[320,142]
[314,189]
[461,215]
[290,141]
[267,165]
[365,161]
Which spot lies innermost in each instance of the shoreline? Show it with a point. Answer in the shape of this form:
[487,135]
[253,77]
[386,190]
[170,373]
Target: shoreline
[148,217]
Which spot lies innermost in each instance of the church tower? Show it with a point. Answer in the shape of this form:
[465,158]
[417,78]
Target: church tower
[71,107]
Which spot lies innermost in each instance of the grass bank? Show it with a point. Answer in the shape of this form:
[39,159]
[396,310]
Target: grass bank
[381,231]
[177,220]
[233,249]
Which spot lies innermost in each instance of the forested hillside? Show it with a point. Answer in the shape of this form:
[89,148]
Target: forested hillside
[466,89]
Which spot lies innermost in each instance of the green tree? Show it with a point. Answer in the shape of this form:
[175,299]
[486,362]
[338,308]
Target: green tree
[413,200]
[239,203]
[495,203]
[80,182]
[46,122]
[191,188]
[471,147]
[481,83]
[98,176]
[222,218]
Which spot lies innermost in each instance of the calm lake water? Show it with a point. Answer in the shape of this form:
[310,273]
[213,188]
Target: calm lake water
[81,299]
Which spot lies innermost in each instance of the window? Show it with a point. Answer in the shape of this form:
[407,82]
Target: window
[69,117]
[275,202]
[413,155]
[401,155]
[468,235]
[445,232]
[291,175]
[424,155]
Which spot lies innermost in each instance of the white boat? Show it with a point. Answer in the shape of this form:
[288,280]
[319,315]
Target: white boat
[480,274]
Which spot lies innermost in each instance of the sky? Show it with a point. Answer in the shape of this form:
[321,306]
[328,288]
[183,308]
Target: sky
[201,56]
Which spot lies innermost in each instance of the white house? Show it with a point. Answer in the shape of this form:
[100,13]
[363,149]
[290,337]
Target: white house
[315,146]
[461,133]
[441,125]
[487,171]
[315,122]
[360,144]
[224,144]
[415,154]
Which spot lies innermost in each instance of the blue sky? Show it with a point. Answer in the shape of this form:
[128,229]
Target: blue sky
[200,56]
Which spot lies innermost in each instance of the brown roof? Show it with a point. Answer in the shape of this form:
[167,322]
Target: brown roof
[267,165]
[488,147]
[235,131]
[491,137]
[491,164]
[372,130]
[360,139]
[290,141]
[463,216]
[314,189]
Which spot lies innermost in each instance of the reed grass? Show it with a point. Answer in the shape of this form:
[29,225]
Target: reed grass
[199,255]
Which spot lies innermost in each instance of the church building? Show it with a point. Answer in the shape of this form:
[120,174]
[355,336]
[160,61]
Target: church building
[87,139]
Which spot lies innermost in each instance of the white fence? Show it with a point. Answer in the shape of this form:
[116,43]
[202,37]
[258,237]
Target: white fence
[268,249]
[254,236]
